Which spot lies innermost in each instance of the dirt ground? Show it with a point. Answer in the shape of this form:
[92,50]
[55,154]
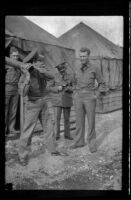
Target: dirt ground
[76,171]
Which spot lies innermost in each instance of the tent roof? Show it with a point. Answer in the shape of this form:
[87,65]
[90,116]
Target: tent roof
[7,32]
[26,36]
[82,35]
[23,28]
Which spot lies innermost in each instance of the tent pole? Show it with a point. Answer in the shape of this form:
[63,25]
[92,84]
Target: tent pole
[21,113]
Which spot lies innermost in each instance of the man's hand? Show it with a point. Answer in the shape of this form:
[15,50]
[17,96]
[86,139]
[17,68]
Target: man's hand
[41,70]
[39,66]
[97,94]
[69,90]
[25,67]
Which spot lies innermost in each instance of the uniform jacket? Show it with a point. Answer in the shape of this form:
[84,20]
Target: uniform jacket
[38,85]
[12,77]
[64,98]
[85,84]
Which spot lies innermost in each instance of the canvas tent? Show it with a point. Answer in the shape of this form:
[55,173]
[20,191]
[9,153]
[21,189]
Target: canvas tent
[22,33]
[105,55]
[83,35]
[25,35]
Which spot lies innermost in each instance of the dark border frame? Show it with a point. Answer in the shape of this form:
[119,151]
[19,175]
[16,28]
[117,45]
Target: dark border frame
[98,8]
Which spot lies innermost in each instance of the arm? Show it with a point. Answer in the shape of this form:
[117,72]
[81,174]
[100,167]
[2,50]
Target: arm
[74,81]
[17,64]
[69,85]
[101,84]
[51,87]
[48,74]
[13,63]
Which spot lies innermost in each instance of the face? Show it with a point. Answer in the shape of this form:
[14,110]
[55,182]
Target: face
[14,55]
[84,57]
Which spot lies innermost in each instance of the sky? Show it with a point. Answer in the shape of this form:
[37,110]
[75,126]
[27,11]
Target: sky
[110,27]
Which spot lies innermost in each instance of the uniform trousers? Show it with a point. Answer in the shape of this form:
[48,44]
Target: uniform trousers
[11,104]
[85,106]
[34,111]
[66,114]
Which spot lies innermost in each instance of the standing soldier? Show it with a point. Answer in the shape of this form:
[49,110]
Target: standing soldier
[11,93]
[65,100]
[37,102]
[85,100]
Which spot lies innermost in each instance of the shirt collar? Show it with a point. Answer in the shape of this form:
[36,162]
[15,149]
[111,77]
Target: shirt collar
[85,67]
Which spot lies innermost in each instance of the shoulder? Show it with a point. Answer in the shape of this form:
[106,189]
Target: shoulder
[8,67]
[92,66]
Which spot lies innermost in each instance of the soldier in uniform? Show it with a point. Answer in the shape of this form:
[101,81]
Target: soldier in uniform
[37,102]
[64,102]
[85,96]
[11,93]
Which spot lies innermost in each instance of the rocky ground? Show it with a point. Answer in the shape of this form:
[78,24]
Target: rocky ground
[79,169]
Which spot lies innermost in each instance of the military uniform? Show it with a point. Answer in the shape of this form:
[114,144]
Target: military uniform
[11,96]
[63,102]
[85,96]
[37,103]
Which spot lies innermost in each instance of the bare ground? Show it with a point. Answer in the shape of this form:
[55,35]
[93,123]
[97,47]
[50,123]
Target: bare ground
[79,170]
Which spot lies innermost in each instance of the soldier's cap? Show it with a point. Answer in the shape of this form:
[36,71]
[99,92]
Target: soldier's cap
[61,66]
[31,55]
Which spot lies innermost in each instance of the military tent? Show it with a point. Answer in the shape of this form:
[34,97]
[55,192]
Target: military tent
[105,55]
[25,35]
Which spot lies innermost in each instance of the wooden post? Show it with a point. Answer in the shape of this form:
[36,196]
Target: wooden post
[21,113]
[17,64]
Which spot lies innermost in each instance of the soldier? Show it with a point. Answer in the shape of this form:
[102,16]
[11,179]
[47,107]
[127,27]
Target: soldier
[37,102]
[64,102]
[85,100]
[11,93]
